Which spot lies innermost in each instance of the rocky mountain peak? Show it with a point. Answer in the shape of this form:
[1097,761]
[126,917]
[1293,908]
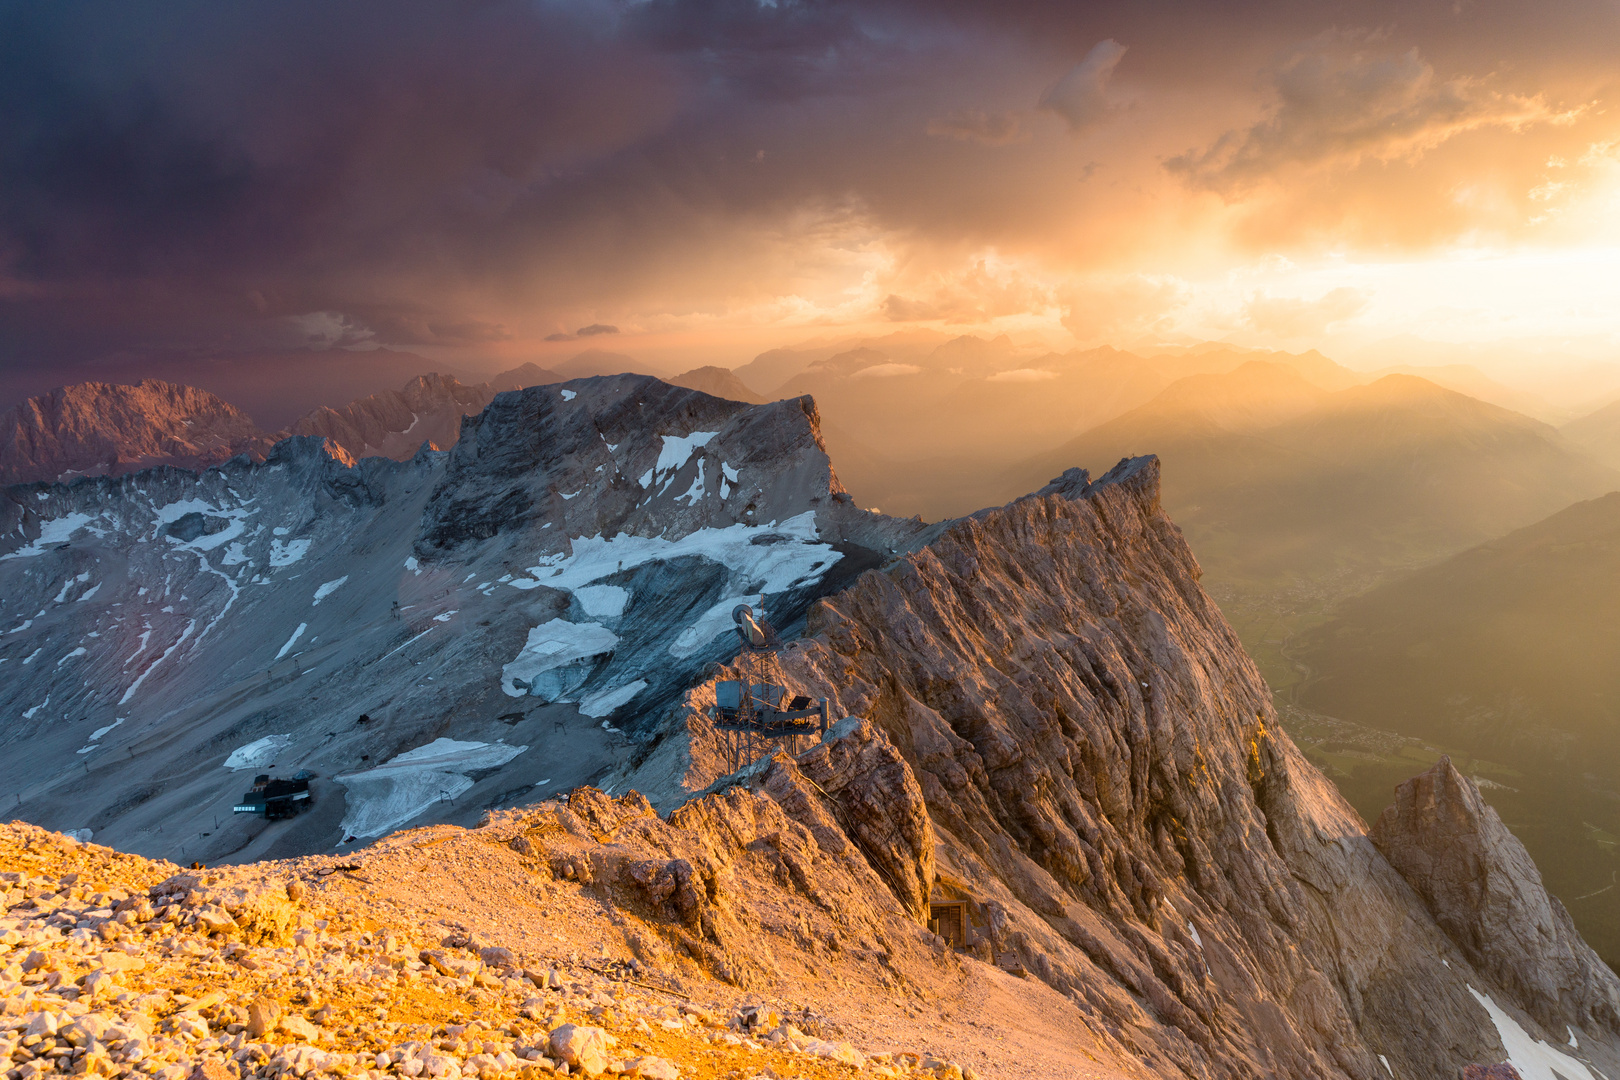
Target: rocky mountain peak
[1485,892]
[627,454]
[108,429]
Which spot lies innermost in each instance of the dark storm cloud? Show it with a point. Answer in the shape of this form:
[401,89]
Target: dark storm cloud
[272,174]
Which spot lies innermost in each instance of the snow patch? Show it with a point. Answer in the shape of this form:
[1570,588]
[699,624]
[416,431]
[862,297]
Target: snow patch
[169,513]
[153,666]
[1534,1059]
[444,616]
[412,565]
[88,593]
[556,658]
[678,451]
[53,532]
[382,799]
[96,735]
[258,754]
[1385,1062]
[601,601]
[728,476]
[695,492]
[601,704]
[328,589]
[568,395]
[285,553]
[80,651]
[296,634]
[770,558]
[29,713]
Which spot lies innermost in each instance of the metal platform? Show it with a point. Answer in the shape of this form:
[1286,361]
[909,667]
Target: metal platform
[757,716]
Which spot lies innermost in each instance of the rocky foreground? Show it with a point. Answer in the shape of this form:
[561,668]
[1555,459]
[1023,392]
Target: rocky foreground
[561,939]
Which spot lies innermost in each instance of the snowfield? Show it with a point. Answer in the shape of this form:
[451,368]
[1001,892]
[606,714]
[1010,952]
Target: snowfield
[383,799]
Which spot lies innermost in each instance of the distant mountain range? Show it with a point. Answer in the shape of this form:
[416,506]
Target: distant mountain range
[109,429]
[1269,474]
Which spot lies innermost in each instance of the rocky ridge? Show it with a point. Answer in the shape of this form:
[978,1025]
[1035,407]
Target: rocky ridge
[741,937]
[1107,783]
[108,429]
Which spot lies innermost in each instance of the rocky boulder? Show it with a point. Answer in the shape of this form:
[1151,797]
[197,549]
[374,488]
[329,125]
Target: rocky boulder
[1486,894]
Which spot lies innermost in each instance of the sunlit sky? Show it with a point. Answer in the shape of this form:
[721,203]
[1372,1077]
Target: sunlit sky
[715,178]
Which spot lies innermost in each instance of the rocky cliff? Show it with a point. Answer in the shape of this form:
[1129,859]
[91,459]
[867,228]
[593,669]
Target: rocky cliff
[1482,889]
[1110,789]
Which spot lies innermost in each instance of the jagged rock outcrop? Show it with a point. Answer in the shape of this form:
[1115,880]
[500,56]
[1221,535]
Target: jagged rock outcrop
[1482,888]
[874,801]
[108,429]
[711,880]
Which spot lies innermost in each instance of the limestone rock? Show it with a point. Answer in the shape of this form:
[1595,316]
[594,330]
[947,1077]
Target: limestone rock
[1486,893]
[582,1047]
[264,1014]
[299,1028]
[879,804]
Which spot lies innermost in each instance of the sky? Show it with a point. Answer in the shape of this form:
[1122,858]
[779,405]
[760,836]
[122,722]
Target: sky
[492,182]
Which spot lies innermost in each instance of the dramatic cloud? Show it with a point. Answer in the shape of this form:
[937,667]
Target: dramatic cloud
[205,181]
[1343,98]
[1291,317]
[1081,96]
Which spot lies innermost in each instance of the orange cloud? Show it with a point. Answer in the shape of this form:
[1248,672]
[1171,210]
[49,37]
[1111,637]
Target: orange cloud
[978,295]
[1340,100]
[1121,307]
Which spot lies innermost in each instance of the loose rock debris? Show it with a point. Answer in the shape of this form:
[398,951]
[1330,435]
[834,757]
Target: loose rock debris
[115,965]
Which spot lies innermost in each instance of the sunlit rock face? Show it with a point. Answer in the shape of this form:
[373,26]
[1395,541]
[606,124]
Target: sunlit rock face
[1107,782]
[586,539]
[95,429]
[1485,892]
